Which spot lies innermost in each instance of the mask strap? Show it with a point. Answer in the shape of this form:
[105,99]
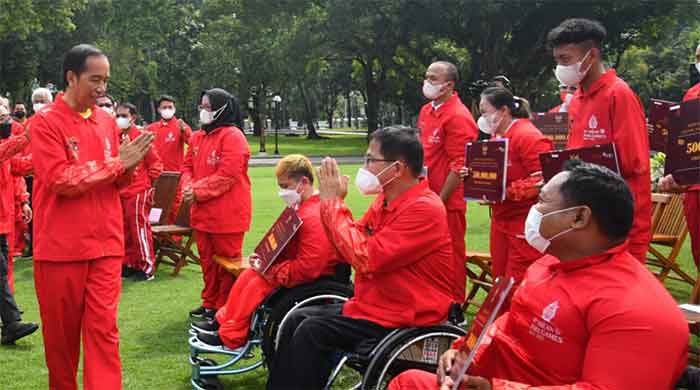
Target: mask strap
[561,233]
[218,112]
[584,59]
[384,170]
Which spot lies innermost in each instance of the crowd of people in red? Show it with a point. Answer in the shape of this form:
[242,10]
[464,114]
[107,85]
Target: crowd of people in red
[586,313]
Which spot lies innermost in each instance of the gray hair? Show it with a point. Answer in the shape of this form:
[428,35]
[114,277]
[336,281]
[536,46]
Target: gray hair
[42,92]
[450,70]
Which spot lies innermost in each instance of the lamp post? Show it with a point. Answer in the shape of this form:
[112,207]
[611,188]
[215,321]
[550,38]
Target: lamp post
[251,107]
[277,102]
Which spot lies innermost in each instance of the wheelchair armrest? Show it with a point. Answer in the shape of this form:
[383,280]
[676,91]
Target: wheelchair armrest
[455,314]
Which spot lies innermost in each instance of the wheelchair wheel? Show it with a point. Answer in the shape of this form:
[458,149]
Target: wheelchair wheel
[412,348]
[210,383]
[320,292]
[206,362]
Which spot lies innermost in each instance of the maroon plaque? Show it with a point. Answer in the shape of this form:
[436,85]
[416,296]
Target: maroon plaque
[604,154]
[658,124]
[683,148]
[555,126]
[274,241]
[487,163]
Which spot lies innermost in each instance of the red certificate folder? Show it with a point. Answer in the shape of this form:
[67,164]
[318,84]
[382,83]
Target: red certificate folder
[604,154]
[488,165]
[683,148]
[490,310]
[274,241]
[658,123]
[555,126]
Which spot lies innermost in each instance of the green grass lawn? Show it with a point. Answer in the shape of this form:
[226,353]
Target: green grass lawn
[329,145]
[153,316]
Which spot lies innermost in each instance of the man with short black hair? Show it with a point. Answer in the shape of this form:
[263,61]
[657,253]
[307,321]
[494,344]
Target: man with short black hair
[107,104]
[400,250]
[79,168]
[446,127]
[605,110]
[20,113]
[587,315]
[171,134]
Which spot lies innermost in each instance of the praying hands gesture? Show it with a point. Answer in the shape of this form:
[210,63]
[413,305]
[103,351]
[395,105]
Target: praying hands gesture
[331,183]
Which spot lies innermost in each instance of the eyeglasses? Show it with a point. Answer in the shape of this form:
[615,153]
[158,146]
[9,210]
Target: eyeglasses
[369,160]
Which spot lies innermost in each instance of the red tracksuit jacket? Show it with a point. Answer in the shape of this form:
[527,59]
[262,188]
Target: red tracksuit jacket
[610,112]
[602,322]
[216,167]
[77,211]
[402,256]
[525,143]
[444,134]
[146,172]
[170,142]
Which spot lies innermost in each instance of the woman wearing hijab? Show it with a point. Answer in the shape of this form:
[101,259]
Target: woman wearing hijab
[216,180]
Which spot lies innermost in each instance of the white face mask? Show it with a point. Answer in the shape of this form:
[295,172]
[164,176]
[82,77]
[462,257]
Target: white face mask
[532,229]
[368,183]
[207,117]
[571,75]
[123,123]
[38,106]
[431,91]
[486,123]
[167,113]
[290,196]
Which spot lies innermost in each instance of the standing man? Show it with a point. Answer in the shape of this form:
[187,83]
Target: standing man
[446,126]
[171,135]
[20,113]
[605,110]
[79,232]
[137,199]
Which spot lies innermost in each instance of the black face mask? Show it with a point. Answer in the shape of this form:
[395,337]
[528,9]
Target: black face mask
[5,130]
[20,114]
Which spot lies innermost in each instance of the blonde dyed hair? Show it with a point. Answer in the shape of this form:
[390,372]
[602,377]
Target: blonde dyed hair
[295,166]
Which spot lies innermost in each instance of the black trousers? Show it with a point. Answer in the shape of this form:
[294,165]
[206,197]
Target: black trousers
[310,340]
[9,312]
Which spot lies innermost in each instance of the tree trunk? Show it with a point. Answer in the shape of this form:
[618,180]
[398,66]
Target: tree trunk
[348,108]
[308,113]
[372,109]
[329,115]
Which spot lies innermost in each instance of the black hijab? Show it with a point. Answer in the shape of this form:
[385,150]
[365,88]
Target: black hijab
[229,116]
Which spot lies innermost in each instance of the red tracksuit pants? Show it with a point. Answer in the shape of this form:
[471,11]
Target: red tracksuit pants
[20,241]
[414,380]
[510,255]
[691,206]
[457,225]
[217,281]
[247,293]
[138,238]
[77,299]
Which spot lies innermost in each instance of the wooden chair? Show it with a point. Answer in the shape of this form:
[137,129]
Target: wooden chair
[166,187]
[669,230]
[171,250]
[479,275]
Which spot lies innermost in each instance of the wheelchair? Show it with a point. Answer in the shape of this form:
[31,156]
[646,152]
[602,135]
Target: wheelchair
[267,321]
[373,364]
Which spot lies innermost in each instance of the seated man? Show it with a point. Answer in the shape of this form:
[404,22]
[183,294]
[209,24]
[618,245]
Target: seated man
[306,257]
[587,315]
[401,253]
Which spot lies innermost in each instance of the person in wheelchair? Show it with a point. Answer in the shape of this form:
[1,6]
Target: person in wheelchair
[587,315]
[306,257]
[400,251]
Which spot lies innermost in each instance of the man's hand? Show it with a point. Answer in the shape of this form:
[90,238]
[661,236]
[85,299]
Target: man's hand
[188,195]
[26,213]
[182,126]
[468,383]
[464,172]
[445,364]
[331,183]
[131,153]
[668,184]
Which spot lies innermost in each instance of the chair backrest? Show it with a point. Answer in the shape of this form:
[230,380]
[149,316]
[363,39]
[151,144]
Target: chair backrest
[672,220]
[183,215]
[166,187]
[658,204]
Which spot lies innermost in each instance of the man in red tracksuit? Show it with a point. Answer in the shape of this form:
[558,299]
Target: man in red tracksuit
[306,257]
[691,199]
[605,110]
[136,201]
[400,250]
[216,181]
[79,168]
[446,126]
[588,315]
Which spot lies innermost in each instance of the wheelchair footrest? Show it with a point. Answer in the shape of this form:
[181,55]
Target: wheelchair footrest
[220,349]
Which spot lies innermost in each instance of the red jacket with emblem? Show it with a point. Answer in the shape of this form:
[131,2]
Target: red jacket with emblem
[609,112]
[402,256]
[216,167]
[170,142]
[444,133]
[77,211]
[146,172]
[598,323]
